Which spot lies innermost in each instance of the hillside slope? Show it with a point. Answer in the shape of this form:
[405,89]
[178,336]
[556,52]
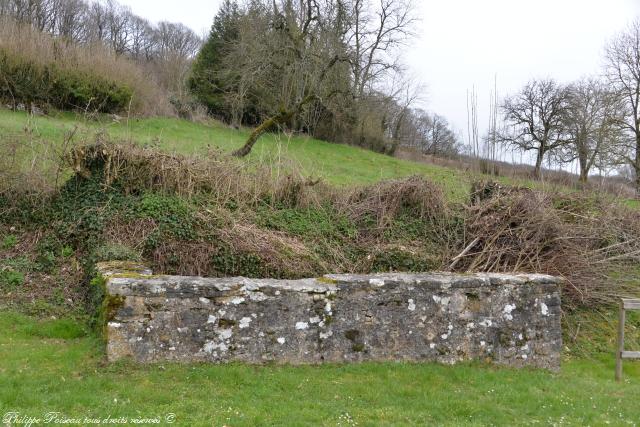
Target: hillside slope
[337,164]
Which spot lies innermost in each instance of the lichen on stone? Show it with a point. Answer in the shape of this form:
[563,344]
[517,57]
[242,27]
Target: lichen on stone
[437,317]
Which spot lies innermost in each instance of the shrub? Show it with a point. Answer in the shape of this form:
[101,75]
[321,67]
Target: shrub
[376,207]
[320,222]
[46,252]
[30,83]
[585,239]
[173,215]
[47,70]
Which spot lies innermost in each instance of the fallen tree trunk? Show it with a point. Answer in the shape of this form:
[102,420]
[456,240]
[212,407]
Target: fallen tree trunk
[281,118]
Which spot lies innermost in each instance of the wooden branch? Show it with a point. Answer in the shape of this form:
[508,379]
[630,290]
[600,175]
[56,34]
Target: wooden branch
[463,253]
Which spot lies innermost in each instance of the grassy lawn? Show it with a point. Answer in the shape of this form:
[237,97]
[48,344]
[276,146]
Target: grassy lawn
[337,164]
[54,366]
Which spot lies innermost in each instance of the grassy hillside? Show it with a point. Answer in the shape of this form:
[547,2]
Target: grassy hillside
[412,224]
[337,164]
[147,206]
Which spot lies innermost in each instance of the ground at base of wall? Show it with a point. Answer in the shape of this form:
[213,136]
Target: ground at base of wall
[50,366]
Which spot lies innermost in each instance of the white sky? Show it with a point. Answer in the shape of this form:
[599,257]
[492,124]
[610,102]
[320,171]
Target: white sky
[465,43]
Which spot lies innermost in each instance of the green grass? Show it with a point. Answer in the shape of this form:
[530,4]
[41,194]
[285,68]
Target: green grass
[337,164]
[54,368]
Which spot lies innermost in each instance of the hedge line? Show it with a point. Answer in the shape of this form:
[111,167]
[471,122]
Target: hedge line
[23,81]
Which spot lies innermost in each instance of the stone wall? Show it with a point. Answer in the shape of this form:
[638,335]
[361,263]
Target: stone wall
[508,319]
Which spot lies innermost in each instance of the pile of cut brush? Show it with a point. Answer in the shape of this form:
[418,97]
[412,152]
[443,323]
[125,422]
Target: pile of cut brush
[252,218]
[590,240]
[216,215]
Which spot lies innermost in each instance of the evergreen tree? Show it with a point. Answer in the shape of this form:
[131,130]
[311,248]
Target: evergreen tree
[209,79]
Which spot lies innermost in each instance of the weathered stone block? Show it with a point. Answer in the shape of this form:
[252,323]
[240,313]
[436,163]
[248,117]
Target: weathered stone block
[509,319]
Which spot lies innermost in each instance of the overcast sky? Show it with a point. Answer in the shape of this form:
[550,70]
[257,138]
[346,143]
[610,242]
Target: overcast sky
[466,43]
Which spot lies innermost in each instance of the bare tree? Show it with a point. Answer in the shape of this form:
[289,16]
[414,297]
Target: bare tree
[174,45]
[472,122]
[377,28]
[435,136]
[623,72]
[43,14]
[176,39]
[534,119]
[141,37]
[118,18]
[5,8]
[398,114]
[70,18]
[440,139]
[590,125]
[97,23]
[299,54]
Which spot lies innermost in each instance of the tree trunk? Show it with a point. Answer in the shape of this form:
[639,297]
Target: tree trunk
[280,118]
[636,166]
[584,168]
[584,175]
[538,168]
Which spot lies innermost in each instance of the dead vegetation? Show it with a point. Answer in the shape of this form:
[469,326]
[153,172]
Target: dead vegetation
[591,241]
[242,249]
[383,202]
[95,59]
[214,215]
[137,169]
